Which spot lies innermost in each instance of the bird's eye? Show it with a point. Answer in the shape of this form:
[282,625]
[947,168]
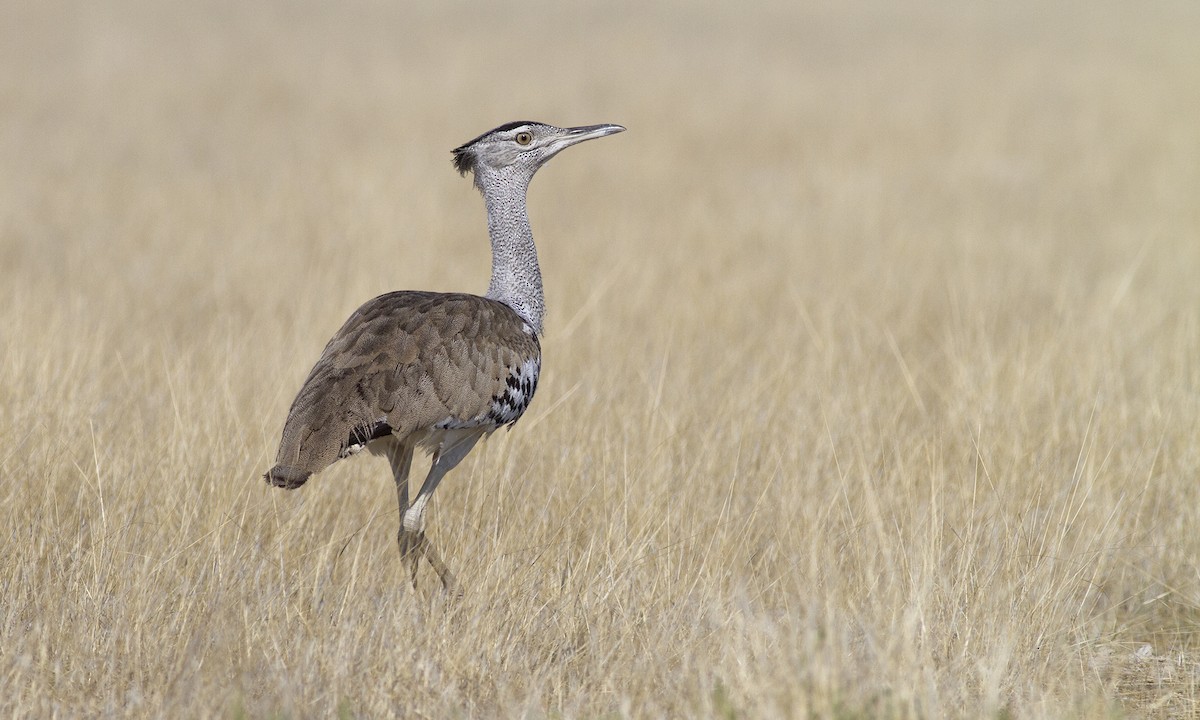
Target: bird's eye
[524,138]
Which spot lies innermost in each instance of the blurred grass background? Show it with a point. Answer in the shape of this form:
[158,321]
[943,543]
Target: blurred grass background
[872,370]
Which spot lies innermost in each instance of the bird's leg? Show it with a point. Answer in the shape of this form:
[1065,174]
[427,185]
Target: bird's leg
[410,550]
[412,546]
[413,542]
[400,456]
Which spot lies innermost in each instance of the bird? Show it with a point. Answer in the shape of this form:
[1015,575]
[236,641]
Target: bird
[436,370]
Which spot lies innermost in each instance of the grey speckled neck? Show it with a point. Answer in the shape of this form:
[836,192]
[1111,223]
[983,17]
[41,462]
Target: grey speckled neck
[516,278]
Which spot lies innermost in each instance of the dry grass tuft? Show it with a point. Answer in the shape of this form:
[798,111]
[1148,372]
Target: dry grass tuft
[872,373]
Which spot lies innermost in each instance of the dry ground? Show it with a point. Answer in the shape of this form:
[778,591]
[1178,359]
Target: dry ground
[872,376]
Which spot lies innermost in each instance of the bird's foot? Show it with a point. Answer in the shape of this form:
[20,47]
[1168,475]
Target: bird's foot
[414,545]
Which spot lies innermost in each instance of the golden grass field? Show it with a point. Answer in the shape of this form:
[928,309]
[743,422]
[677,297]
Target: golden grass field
[872,370]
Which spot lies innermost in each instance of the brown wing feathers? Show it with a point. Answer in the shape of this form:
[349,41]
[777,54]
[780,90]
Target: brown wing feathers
[402,363]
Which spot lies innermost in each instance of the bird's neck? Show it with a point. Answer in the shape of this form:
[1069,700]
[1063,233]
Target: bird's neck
[516,278]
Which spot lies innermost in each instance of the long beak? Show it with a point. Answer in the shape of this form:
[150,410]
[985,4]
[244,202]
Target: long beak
[587,132]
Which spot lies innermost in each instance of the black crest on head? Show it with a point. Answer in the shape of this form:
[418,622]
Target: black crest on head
[464,155]
[464,159]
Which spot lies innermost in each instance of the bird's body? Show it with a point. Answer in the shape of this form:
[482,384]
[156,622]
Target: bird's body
[436,370]
[413,365]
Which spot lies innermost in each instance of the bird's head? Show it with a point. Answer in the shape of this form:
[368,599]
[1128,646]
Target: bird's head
[521,147]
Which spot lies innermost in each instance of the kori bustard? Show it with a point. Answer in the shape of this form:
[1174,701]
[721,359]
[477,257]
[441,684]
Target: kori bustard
[436,370]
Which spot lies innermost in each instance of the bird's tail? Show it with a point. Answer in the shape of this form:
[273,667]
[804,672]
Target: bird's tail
[286,476]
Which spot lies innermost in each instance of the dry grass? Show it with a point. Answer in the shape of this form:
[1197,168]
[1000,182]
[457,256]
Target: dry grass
[872,373]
